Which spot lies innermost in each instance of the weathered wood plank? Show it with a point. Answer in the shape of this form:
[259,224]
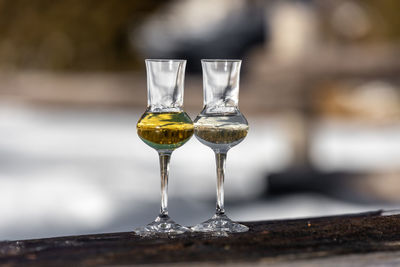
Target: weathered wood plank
[267,240]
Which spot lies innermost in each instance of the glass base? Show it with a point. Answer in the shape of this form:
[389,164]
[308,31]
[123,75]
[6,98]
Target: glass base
[220,224]
[163,224]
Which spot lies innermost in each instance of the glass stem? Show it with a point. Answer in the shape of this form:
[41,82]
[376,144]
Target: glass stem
[220,159]
[164,171]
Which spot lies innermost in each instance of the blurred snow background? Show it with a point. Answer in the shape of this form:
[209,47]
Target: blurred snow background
[319,85]
[74,171]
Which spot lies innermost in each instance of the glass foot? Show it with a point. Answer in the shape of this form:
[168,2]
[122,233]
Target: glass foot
[220,223]
[163,224]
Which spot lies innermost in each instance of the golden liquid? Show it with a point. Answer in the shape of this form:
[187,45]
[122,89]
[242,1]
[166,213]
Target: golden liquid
[165,130]
[228,130]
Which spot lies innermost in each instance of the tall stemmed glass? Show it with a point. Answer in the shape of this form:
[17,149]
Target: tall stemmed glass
[164,126]
[220,126]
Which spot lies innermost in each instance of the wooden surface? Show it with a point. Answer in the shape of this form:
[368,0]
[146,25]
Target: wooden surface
[303,240]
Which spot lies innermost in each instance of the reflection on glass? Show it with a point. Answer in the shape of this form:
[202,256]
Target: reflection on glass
[220,126]
[164,126]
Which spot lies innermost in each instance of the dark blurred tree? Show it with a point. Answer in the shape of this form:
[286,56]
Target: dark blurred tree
[386,19]
[382,20]
[70,34]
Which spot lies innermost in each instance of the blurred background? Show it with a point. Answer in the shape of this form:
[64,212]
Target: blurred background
[320,86]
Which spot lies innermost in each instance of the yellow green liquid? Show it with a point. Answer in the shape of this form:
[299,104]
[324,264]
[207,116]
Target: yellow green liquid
[165,131]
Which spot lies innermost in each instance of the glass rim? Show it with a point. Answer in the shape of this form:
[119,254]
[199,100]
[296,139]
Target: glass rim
[221,60]
[164,60]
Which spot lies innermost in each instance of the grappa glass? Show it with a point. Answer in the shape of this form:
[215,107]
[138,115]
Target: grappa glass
[220,126]
[164,126]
